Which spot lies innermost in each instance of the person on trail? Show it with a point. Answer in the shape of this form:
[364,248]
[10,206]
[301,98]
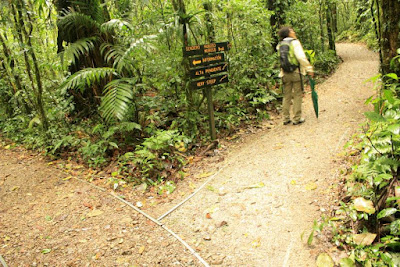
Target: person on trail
[294,65]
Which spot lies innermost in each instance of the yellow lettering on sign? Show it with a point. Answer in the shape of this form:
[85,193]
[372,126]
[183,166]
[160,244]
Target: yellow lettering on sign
[199,72]
[221,49]
[212,81]
[215,69]
[214,58]
[210,50]
[199,84]
[191,48]
[210,45]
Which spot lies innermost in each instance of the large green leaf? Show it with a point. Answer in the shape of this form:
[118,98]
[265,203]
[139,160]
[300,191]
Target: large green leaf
[386,212]
[78,48]
[324,260]
[395,227]
[86,77]
[347,262]
[373,116]
[118,94]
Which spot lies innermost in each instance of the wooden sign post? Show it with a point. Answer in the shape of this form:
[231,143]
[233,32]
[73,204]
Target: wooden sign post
[209,68]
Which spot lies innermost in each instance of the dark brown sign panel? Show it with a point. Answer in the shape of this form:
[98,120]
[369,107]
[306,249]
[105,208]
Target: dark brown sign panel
[196,50]
[210,70]
[209,81]
[206,60]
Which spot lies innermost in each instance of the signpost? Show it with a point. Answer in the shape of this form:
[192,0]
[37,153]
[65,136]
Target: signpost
[209,68]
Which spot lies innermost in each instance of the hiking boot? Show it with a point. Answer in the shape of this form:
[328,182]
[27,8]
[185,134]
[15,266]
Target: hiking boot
[299,121]
[286,122]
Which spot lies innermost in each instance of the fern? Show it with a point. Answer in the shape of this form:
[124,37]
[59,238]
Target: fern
[86,77]
[118,94]
[72,22]
[91,8]
[116,24]
[80,47]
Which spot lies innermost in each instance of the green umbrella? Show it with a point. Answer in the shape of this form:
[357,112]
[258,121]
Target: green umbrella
[314,95]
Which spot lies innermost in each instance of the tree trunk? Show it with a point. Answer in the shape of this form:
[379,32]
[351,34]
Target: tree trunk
[277,19]
[390,17]
[39,92]
[330,27]
[321,25]
[179,7]
[9,66]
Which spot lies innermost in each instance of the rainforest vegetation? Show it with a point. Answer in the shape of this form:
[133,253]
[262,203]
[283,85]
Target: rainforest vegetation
[106,82]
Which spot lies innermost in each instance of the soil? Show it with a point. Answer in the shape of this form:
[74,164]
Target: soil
[266,187]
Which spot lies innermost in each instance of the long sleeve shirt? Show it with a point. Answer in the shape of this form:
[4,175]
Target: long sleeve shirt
[305,65]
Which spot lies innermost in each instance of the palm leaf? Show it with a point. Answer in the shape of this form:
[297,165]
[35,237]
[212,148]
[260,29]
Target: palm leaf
[72,22]
[116,24]
[118,94]
[122,58]
[78,48]
[86,77]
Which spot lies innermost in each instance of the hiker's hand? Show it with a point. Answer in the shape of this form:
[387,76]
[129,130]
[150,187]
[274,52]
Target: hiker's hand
[311,74]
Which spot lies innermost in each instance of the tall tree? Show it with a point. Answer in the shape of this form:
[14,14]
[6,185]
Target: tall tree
[389,17]
[330,23]
[277,18]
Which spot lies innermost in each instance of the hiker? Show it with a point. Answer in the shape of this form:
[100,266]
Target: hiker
[292,73]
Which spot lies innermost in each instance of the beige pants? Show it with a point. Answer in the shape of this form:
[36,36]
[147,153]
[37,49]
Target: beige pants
[292,91]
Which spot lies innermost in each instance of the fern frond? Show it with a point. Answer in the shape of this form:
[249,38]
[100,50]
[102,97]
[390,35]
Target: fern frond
[116,24]
[72,22]
[86,77]
[78,48]
[118,94]
[90,8]
[124,59]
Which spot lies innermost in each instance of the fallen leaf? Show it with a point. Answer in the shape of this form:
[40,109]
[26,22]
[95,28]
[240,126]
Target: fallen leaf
[347,262]
[361,204]
[94,213]
[364,239]
[258,185]
[87,205]
[15,188]
[293,182]
[141,249]
[208,215]
[67,178]
[205,174]
[192,185]
[46,250]
[256,243]
[324,260]
[311,186]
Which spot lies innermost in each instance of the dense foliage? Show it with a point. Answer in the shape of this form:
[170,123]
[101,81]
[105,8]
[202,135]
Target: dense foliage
[106,79]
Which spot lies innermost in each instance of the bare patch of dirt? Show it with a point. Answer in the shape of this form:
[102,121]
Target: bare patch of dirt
[267,188]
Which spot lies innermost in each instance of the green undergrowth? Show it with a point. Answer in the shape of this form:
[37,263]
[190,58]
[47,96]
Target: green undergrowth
[366,223]
[153,144]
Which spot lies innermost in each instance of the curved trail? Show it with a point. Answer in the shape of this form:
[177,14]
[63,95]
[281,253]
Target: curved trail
[272,189]
[253,212]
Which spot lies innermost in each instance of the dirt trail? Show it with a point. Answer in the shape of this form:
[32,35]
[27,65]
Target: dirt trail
[265,193]
[270,190]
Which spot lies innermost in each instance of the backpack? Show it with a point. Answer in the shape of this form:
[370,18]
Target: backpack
[287,58]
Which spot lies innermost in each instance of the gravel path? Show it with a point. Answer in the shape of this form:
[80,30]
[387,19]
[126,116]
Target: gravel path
[276,182]
[270,188]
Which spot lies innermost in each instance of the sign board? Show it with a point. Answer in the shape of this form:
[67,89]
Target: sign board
[207,71]
[196,50]
[199,84]
[206,60]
